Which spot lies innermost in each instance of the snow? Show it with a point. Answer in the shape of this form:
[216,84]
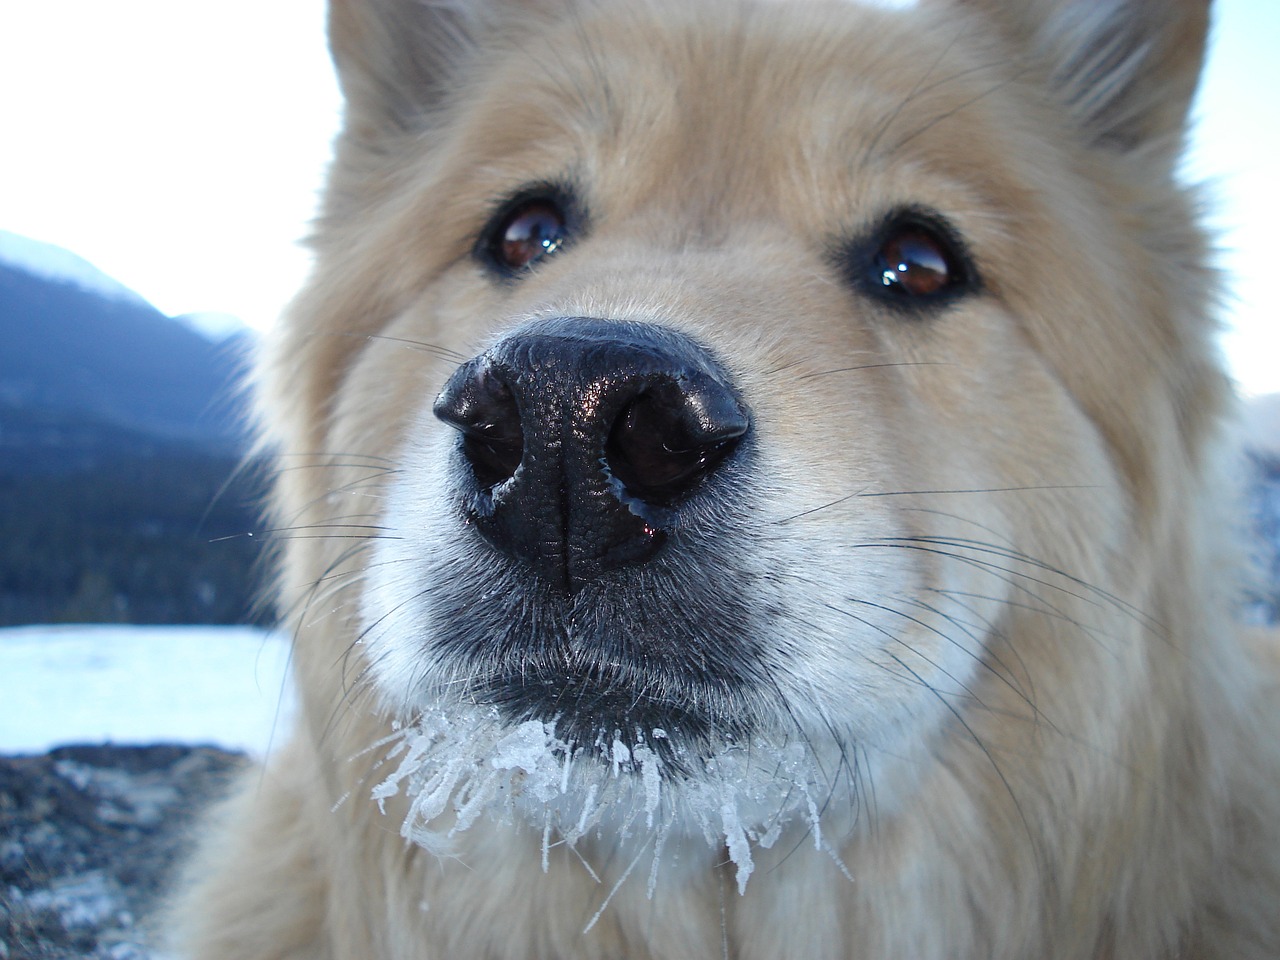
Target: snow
[84,901]
[131,684]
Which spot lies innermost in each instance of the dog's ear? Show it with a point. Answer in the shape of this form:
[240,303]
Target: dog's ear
[391,57]
[394,57]
[1126,68]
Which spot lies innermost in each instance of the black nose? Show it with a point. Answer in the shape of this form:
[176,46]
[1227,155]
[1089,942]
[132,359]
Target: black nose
[585,437]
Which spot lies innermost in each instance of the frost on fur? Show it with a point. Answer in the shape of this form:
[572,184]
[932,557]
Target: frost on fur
[457,769]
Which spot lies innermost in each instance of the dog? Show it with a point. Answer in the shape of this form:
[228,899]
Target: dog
[751,481]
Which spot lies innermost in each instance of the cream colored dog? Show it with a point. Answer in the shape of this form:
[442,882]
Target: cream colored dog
[748,473]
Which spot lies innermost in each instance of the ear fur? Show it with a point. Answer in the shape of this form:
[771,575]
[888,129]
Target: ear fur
[394,58]
[1127,69]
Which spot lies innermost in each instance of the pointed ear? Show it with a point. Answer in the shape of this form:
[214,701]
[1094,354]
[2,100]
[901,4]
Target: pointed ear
[1127,69]
[394,58]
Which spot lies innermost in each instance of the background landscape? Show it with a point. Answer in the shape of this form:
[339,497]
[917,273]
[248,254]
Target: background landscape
[122,444]
[179,146]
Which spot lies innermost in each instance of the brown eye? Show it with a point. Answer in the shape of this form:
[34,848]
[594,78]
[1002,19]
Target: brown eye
[913,262]
[528,229]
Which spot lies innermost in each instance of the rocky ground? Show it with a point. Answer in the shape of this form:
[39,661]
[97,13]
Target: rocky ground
[89,838]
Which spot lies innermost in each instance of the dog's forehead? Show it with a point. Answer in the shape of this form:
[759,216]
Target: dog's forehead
[794,41]
[746,106]
[826,75]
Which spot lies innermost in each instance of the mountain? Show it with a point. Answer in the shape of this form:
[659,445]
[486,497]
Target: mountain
[90,367]
[50,262]
[121,450]
[1261,424]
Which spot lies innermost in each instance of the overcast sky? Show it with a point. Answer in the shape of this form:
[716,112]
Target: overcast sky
[178,145]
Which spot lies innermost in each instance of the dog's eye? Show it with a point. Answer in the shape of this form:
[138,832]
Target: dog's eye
[913,261]
[527,230]
[533,230]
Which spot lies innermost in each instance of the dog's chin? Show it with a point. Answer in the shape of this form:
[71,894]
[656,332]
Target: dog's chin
[641,704]
[595,708]
[583,782]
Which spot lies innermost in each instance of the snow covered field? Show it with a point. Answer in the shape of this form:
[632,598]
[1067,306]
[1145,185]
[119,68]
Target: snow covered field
[137,685]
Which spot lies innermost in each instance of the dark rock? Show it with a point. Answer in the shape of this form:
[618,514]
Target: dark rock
[90,838]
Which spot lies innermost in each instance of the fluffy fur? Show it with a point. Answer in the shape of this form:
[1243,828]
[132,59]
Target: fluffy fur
[964,582]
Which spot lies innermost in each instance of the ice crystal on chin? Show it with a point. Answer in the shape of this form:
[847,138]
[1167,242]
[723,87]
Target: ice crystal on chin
[456,768]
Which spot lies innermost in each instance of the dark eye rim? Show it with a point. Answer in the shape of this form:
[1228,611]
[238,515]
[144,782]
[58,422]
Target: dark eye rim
[858,261]
[555,193]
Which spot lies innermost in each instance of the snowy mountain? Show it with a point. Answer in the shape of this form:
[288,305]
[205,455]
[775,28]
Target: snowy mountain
[89,366]
[214,326]
[49,262]
[121,437]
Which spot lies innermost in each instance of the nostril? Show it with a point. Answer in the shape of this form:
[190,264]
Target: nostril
[587,442]
[478,403]
[672,434]
[493,461]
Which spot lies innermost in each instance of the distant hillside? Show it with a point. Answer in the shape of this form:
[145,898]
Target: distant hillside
[52,262]
[121,448]
[77,362]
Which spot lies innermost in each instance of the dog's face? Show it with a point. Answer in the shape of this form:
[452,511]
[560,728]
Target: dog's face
[746,377]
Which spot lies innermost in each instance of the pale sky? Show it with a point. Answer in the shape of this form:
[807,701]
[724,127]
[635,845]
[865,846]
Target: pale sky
[178,145]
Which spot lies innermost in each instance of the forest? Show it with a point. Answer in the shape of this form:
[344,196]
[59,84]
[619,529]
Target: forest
[171,538]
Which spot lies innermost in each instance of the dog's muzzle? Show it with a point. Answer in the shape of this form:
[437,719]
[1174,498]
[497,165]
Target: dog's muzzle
[585,438]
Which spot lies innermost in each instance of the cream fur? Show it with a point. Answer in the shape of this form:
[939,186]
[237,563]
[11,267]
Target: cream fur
[983,556]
